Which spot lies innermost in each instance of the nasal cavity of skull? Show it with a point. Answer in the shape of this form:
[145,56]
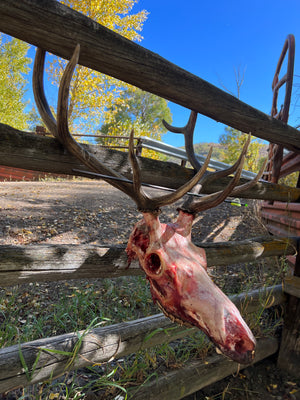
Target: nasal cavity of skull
[153,263]
[141,240]
[240,346]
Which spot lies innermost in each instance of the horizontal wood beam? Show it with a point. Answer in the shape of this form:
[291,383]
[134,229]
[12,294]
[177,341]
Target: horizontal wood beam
[99,345]
[56,28]
[54,262]
[197,374]
[29,151]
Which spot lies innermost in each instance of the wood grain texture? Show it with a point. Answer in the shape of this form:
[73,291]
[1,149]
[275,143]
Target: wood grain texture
[29,151]
[197,374]
[100,345]
[54,262]
[57,29]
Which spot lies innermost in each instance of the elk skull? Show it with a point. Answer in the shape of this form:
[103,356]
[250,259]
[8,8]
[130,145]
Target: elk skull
[175,267]
[180,285]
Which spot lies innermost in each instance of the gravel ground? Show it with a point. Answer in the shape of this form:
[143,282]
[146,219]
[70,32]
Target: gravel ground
[92,212]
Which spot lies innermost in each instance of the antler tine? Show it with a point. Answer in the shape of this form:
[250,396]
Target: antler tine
[153,204]
[180,192]
[188,132]
[39,93]
[142,200]
[65,137]
[248,185]
[61,131]
[225,172]
[214,199]
[241,188]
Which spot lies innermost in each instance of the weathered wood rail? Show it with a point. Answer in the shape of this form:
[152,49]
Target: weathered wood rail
[196,375]
[57,29]
[44,262]
[33,152]
[115,341]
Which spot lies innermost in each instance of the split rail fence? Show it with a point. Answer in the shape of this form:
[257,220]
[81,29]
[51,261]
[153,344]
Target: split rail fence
[56,28]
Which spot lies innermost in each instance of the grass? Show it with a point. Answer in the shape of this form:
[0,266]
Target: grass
[46,310]
[34,311]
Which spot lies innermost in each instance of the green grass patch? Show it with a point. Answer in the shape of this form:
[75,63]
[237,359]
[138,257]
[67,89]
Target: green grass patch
[34,311]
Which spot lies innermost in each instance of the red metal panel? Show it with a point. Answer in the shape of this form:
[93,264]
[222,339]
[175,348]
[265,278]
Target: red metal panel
[281,219]
[18,174]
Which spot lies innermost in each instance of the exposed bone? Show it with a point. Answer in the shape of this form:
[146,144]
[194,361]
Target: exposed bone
[180,285]
[175,267]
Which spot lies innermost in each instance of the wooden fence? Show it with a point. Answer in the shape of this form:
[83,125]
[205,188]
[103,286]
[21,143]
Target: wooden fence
[40,23]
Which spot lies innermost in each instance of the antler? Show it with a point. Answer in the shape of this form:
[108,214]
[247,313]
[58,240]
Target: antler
[61,131]
[39,93]
[59,128]
[188,132]
[214,199]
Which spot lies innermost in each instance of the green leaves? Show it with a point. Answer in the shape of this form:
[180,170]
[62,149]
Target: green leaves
[233,141]
[136,109]
[13,66]
[92,92]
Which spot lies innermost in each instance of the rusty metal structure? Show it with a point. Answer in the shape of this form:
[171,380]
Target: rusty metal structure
[282,218]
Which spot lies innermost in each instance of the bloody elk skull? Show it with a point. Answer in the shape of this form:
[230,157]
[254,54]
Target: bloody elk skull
[180,285]
[175,267]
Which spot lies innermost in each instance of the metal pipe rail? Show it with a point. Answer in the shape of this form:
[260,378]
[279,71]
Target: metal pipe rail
[176,152]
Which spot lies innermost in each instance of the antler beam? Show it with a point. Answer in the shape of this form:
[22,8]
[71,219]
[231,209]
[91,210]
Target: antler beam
[188,132]
[60,130]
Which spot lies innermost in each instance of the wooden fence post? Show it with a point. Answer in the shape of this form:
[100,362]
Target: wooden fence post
[289,353]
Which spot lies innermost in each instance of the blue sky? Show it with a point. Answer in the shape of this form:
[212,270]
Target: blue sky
[212,39]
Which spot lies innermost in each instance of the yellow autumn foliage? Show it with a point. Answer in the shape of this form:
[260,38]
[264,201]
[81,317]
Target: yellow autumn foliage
[92,92]
[14,65]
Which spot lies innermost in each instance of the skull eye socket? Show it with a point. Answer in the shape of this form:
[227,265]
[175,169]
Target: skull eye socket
[153,263]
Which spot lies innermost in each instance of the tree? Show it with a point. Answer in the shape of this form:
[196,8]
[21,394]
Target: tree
[13,65]
[92,92]
[138,110]
[233,142]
